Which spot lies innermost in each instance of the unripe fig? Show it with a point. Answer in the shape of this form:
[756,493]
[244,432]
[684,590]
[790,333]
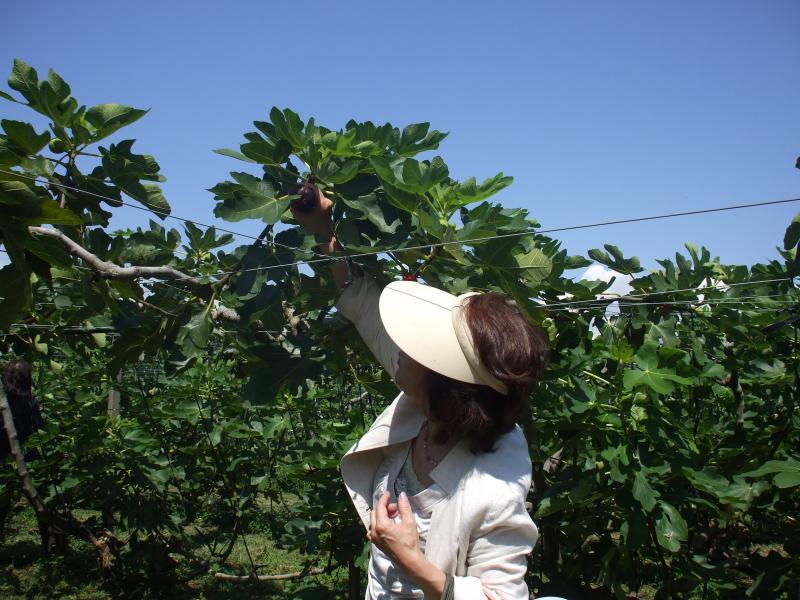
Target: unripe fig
[309,197]
[58,145]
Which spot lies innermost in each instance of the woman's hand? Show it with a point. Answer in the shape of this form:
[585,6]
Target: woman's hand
[399,540]
[319,220]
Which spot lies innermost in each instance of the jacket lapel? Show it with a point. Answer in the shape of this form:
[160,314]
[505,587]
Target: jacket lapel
[400,422]
[444,536]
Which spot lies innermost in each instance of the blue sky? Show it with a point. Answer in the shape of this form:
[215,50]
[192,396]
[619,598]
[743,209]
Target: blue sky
[600,110]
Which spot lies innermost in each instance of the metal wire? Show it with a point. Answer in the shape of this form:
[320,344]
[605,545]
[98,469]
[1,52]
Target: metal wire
[669,302]
[166,215]
[744,300]
[614,298]
[467,242]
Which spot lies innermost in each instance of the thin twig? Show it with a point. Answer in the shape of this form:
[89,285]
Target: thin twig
[166,313]
[277,577]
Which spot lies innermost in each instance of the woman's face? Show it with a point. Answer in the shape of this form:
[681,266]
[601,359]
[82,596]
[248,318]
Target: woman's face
[410,379]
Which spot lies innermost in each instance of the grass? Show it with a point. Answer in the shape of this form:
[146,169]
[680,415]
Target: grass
[26,572]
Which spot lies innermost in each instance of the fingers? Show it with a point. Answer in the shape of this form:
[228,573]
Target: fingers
[312,209]
[404,506]
[371,523]
[322,205]
[325,203]
[381,511]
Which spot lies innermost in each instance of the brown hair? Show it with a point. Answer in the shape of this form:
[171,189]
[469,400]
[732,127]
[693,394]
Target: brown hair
[17,379]
[513,351]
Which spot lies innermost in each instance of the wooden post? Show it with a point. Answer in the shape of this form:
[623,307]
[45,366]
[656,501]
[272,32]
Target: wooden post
[114,399]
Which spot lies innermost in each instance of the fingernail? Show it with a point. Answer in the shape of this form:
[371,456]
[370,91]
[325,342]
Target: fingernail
[403,496]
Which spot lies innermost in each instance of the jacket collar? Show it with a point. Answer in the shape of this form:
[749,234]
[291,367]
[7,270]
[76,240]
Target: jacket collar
[453,467]
[401,423]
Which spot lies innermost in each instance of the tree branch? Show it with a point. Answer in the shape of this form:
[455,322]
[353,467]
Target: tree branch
[551,464]
[223,312]
[110,270]
[166,313]
[16,451]
[278,577]
[259,240]
[204,290]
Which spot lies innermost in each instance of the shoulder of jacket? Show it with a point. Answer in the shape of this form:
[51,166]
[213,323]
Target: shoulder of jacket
[511,450]
[507,470]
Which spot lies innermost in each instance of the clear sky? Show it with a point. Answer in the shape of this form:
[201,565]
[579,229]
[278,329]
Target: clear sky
[600,110]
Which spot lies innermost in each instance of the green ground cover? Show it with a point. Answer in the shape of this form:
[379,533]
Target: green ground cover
[26,572]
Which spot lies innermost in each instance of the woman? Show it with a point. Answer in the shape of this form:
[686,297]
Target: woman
[441,477]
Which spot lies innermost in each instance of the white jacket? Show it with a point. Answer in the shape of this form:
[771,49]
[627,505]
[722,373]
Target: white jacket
[481,533]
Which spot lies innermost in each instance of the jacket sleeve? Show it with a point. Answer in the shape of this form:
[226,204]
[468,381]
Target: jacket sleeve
[359,304]
[497,554]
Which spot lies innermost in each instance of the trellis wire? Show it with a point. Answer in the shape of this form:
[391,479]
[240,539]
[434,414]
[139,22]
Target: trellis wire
[741,300]
[149,208]
[467,242]
[594,303]
[616,297]
[606,302]
[470,242]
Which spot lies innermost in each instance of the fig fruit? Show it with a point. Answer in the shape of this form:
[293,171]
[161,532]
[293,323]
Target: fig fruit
[57,145]
[309,197]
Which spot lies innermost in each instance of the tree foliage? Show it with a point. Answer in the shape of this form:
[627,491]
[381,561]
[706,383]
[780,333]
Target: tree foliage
[664,437]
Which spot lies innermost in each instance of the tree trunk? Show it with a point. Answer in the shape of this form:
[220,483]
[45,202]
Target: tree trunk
[353,581]
[16,451]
